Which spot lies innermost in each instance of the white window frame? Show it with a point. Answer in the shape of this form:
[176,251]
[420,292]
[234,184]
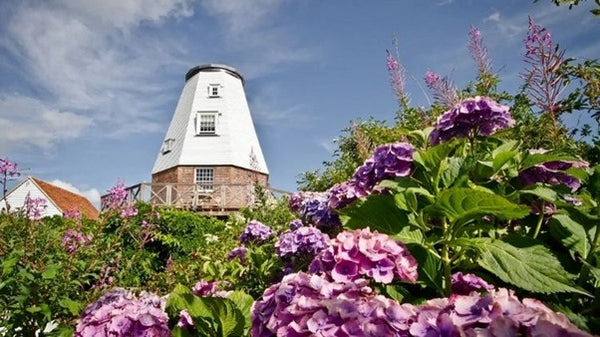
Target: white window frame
[168,145]
[214,91]
[204,178]
[203,129]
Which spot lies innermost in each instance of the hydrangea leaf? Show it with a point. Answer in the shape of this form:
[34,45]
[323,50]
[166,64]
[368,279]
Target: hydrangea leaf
[542,192]
[430,267]
[464,204]
[243,302]
[230,319]
[538,158]
[594,182]
[524,263]
[451,169]
[378,212]
[502,158]
[572,234]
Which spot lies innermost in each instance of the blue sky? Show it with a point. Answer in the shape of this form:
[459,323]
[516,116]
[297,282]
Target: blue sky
[87,88]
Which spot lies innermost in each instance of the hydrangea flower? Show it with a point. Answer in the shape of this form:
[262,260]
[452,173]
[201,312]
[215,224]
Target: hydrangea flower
[352,255]
[497,313]
[471,117]
[295,224]
[239,252]
[185,320]
[388,161]
[464,284]
[256,232]
[553,173]
[343,194]
[73,240]
[314,208]
[209,289]
[121,313]
[310,305]
[302,241]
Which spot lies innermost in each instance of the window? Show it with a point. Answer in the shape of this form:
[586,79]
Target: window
[213,90]
[168,145]
[204,179]
[206,123]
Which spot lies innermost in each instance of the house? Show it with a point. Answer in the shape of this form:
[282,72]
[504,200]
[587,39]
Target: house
[58,200]
[210,159]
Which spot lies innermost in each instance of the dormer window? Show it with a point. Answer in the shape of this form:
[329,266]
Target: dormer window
[214,91]
[206,123]
[168,145]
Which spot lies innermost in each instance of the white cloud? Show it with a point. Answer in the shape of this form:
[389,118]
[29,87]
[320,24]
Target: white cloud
[86,65]
[507,28]
[91,194]
[328,145]
[27,122]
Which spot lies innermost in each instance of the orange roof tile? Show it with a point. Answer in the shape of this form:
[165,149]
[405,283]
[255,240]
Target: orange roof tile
[67,200]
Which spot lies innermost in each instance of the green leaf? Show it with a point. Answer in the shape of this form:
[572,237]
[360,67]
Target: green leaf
[409,235]
[594,182]
[230,319]
[393,293]
[572,234]
[524,263]
[538,158]
[74,307]
[51,271]
[542,192]
[464,204]
[243,302]
[379,212]
[451,169]
[429,267]
[503,154]
[432,157]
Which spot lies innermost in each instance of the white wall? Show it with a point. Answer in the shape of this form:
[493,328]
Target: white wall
[16,198]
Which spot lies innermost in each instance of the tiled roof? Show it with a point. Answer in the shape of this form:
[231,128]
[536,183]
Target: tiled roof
[67,200]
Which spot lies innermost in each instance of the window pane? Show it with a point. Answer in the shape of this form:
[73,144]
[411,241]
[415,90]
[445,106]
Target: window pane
[204,179]
[206,123]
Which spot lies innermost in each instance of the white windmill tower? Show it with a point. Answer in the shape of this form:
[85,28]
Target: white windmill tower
[211,157]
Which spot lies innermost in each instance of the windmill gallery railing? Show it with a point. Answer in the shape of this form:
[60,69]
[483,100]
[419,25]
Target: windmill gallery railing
[213,199]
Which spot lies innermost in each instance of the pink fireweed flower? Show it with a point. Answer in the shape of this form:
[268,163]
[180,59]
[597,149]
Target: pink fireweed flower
[74,240]
[33,208]
[442,88]
[352,255]
[117,196]
[478,51]
[8,169]
[74,214]
[129,212]
[397,77]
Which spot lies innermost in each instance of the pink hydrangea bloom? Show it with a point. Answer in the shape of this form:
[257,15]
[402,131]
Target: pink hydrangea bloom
[120,313]
[352,255]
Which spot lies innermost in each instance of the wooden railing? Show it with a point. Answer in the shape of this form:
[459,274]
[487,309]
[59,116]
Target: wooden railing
[215,199]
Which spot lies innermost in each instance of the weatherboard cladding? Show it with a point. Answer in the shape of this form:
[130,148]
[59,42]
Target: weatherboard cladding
[235,138]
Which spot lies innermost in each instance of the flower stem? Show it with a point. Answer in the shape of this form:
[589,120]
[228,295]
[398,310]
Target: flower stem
[540,220]
[446,261]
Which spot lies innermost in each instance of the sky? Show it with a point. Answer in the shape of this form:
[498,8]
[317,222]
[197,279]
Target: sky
[88,88]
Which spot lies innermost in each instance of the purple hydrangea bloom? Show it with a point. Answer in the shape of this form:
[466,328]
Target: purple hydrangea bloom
[295,224]
[464,284]
[238,252]
[388,161]
[314,208]
[185,320]
[302,241]
[345,193]
[497,313]
[73,240]
[310,305]
[120,313]
[209,289]
[352,255]
[256,232]
[473,116]
[552,173]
